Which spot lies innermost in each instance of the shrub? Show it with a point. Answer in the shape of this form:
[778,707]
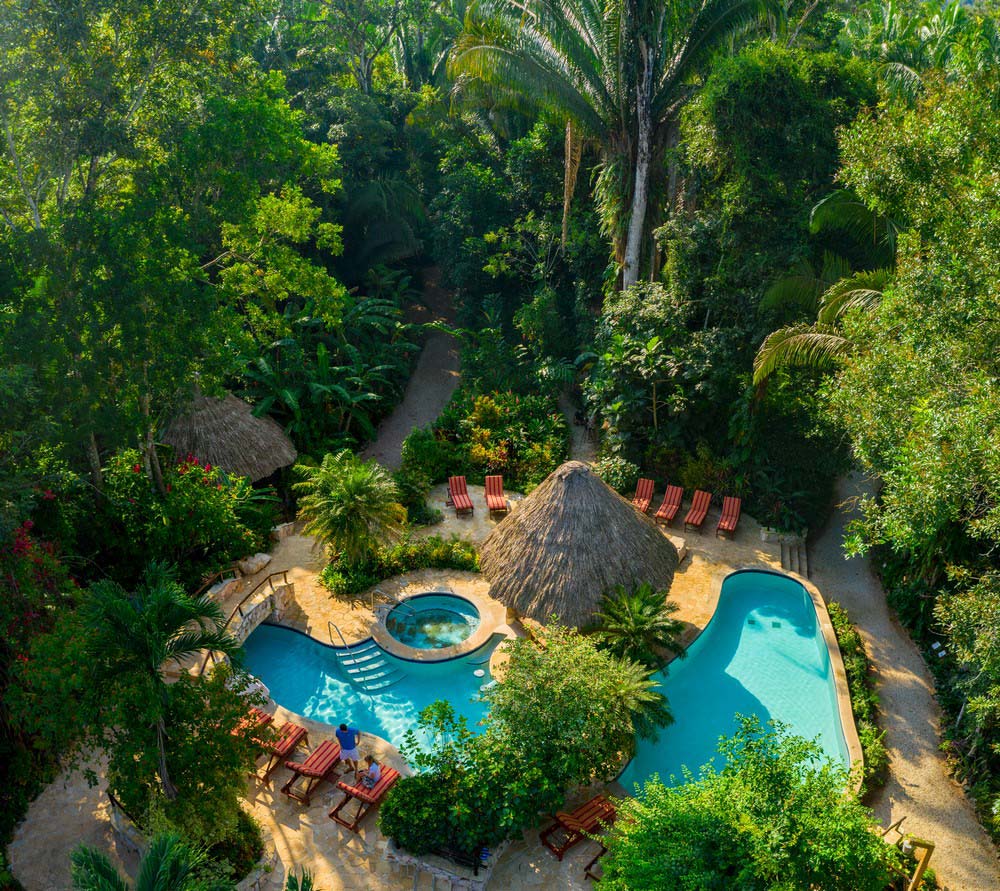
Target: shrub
[864,698]
[619,473]
[199,524]
[242,849]
[541,737]
[703,470]
[409,555]
[522,437]
[413,484]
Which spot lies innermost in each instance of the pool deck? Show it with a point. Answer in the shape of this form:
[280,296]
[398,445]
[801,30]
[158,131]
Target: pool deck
[304,837]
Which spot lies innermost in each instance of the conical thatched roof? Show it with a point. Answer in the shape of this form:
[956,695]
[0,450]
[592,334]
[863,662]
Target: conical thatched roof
[567,543]
[225,432]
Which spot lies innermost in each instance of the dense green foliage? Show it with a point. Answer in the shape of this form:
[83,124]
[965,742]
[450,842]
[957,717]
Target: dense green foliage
[522,437]
[99,678]
[261,198]
[864,697]
[540,738]
[773,817]
[342,577]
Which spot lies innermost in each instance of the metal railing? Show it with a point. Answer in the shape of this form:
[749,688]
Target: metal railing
[390,599]
[238,611]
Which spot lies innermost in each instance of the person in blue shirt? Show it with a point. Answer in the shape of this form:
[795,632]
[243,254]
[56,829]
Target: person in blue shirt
[349,737]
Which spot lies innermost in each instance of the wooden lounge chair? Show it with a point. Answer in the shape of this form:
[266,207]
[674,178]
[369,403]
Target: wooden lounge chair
[368,798]
[289,737]
[643,494]
[672,499]
[730,516]
[571,829]
[593,869]
[496,501]
[699,510]
[458,491]
[319,766]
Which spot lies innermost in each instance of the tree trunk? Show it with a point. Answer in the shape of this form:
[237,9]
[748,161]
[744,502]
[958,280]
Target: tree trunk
[152,460]
[643,159]
[169,789]
[94,460]
[574,152]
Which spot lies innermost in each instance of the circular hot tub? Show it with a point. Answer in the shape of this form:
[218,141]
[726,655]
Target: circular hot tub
[432,621]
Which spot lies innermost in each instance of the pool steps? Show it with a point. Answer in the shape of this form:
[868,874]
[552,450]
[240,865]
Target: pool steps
[365,664]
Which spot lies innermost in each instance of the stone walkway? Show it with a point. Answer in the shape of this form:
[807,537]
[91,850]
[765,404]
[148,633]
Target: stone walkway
[430,386]
[919,786]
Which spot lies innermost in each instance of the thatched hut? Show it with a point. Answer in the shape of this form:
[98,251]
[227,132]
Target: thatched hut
[567,543]
[225,432]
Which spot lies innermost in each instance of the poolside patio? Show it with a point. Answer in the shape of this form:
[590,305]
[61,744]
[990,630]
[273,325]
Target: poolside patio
[304,837]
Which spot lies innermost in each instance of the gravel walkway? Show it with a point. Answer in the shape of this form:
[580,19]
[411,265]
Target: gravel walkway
[919,787]
[432,383]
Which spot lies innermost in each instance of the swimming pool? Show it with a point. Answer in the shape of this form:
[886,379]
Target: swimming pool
[763,653]
[306,677]
[432,621]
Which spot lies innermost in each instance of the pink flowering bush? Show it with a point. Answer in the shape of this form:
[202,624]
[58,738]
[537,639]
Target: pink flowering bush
[204,521]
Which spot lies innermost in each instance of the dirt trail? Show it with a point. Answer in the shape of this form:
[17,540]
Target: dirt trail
[432,383]
[919,787]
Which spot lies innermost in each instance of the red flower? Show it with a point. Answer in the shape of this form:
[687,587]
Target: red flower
[169,487]
[182,469]
[27,525]
[218,486]
[49,495]
[136,468]
[208,467]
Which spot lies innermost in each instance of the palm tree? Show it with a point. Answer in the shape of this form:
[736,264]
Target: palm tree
[638,625]
[637,692]
[169,864]
[821,344]
[350,505]
[618,71]
[138,635]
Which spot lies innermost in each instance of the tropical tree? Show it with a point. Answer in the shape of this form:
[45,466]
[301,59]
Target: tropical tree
[821,344]
[638,692]
[138,635]
[638,625]
[618,71]
[169,864]
[350,505]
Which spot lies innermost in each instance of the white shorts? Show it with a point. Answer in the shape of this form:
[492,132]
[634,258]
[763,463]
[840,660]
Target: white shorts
[350,755]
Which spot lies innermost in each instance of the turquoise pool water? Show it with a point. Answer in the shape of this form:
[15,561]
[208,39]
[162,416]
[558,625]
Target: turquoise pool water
[305,676]
[763,654]
[430,621]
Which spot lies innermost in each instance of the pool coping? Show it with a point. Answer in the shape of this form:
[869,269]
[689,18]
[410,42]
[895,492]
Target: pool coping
[492,617]
[844,708]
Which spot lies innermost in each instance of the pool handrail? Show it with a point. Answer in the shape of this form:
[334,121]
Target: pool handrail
[390,599]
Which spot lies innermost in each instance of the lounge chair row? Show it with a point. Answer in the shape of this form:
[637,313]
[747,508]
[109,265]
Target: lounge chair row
[700,503]
[458,495]
[319,766]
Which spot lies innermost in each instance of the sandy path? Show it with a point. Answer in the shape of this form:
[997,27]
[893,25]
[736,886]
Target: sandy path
[431,385]
[919,787]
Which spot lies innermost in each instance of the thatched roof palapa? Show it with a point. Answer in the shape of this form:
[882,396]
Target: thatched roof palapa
[567,543]
[226,433]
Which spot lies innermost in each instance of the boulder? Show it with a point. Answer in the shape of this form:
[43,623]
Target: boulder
[254,564]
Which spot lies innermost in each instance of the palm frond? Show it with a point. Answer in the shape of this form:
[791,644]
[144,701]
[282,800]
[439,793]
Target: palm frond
[810,346]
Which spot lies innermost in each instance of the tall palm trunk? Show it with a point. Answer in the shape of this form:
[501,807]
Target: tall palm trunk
[169,789]
[643,160]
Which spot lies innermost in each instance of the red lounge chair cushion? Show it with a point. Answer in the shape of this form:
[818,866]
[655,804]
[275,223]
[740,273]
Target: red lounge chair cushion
[699,508]
[289,736]
[730,514]
[671,503]
[588,817]
[459,493]
[643,494]
[495,499]
[254,720]
[388,778]
[320,761]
